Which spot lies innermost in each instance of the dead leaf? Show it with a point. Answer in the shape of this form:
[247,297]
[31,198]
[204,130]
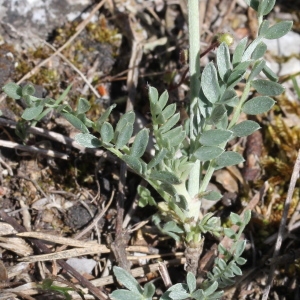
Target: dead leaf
[228,182]
[3,272]
[16,245]
[6,229]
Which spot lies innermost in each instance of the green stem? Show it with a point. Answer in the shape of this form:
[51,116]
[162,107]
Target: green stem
[238,108]
[236,115]
[207,177]
[194,66]
[260,20]
[233,121]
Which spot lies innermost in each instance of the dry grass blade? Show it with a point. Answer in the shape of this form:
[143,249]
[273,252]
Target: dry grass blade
[138,272]
[67,254]
[16,245]
[58,239]
[82,280]
[31,288]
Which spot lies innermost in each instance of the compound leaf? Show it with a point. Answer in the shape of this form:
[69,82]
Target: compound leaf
[278,30]
[125,295]
[83,106]
[140,143]
[133,162]
[106,132]
[77,123]
[258,105]
[265,7]
[206,153]
[87,140]
[215,137]
[239,51]
[245,128]
[210,84]
[266,87]
[223,60]
[191,282]
[124,136]
[228,158]
[165,176]
[259,51]
[32,113]
[127,280]
[12,90]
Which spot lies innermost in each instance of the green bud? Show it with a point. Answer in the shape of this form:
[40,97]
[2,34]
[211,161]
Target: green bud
[225,38]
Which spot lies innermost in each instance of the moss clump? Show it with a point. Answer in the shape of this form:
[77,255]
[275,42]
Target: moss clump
[282,141]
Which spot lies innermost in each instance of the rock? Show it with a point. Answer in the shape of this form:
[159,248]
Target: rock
[25,23]
[284,54]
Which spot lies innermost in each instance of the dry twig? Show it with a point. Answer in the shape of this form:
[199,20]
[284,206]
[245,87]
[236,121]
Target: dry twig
[34,150]
[42,247]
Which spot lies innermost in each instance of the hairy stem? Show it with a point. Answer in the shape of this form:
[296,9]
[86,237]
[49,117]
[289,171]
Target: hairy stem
[194,43]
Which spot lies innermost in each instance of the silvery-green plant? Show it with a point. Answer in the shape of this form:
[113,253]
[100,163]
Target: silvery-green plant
[221,276]
[186,156]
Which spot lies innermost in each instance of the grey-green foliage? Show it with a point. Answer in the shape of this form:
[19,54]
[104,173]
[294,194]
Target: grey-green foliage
[227,267]
[224,270]
[177,149]
[177,292]
[134,290]
[217,95]
[37,108]
[216,123]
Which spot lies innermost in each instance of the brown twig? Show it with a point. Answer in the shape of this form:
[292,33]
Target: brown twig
[183,77]
[32,149]
[283,221]
[44,249]
[133,207]
[54,136]
[163,271]
[119,245]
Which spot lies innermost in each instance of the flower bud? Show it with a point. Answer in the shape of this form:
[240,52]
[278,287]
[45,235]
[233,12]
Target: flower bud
[225,38]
